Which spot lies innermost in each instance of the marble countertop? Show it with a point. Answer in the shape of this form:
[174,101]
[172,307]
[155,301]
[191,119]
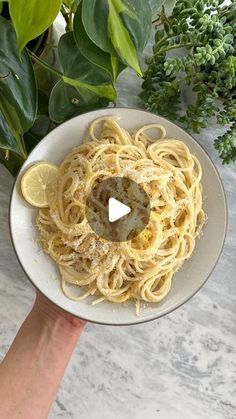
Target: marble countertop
[182,366]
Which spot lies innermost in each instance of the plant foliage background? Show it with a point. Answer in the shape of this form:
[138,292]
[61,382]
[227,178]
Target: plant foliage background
[102,38]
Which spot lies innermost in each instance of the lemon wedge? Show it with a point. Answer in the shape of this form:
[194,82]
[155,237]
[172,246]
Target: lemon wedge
[38,184]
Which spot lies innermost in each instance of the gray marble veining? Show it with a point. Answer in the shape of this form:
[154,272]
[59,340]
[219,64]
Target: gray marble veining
[182,366]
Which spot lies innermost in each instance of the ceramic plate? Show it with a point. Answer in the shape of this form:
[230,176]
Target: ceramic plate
[43,271]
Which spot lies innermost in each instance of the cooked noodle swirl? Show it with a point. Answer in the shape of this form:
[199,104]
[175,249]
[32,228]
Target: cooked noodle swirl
[142,268]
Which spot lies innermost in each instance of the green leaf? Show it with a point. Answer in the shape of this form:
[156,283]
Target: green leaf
[81,73]
[89,50]
[118,27]
[1,5]
[117,66]
[76,66]
[7,140]
[128,42]
[30,141]
[136,16]
[72,4]
[31,18]
[68,3]
[42,103]
[95,21]
[107,90]
[66,102]
[18,93]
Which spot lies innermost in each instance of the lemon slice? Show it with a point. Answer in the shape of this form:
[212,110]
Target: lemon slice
[38,184]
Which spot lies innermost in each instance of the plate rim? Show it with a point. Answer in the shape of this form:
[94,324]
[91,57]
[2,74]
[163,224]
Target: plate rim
[168,311]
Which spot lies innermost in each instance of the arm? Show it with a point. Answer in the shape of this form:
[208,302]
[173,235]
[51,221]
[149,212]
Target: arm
[35,363]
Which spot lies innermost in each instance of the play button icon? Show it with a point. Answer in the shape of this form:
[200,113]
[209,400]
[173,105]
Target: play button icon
[117,209]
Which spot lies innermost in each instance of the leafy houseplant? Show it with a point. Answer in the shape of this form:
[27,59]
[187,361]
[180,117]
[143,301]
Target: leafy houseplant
[102,38]
[207,32]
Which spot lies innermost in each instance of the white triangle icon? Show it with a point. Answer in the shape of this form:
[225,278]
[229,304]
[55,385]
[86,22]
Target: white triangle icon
[116,210]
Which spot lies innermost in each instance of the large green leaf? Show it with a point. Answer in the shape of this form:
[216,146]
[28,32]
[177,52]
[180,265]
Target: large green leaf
[120,36]
[89,50]
[30,141]
[105,90]
[136,16]
[117,66]
[7,140]
[122,25]
[81,73]
[42,103]
[18,93]
[95,21]
[71,4]
[1,6]
[32,17]
[66,102]
[127,29]
[75,65]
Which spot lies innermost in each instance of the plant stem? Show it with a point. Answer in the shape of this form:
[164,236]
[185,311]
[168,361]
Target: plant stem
[65,15]
[45,65]
[68,18]
[71,20]
[7,153]
[175,46]
[156,18]
[163,39]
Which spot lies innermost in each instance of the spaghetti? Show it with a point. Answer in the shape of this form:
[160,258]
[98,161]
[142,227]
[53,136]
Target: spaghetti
[142,268]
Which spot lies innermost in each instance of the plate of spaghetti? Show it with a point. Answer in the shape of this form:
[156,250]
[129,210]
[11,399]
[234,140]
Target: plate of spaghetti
[147,269]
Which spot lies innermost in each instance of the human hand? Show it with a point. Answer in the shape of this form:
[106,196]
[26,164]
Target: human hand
[56,317]
[36,361]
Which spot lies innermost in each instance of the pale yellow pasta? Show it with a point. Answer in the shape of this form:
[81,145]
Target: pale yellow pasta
[140,269]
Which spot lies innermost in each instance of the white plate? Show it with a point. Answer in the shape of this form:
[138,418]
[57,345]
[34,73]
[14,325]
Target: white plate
[42,270]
